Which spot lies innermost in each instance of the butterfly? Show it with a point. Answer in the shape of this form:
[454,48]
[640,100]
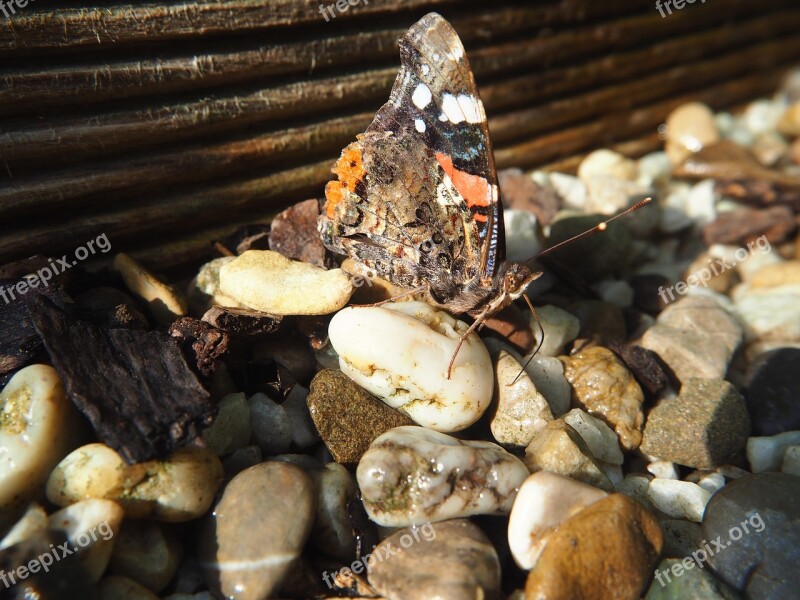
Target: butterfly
[416,197]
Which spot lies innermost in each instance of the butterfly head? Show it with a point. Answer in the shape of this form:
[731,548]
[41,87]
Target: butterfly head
[516,278]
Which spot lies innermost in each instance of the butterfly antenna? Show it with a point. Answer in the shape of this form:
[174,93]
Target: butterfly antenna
[599,227]
[541,338]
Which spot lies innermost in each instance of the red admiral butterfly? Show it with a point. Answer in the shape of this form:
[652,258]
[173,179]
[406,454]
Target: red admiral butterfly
[417,199]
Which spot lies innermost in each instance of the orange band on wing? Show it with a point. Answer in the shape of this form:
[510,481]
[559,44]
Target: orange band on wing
[474,189]
[350,170]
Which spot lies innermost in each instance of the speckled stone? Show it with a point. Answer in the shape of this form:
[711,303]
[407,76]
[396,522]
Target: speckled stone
[704,427]
[348,417]
[257,530]
[694,583]
[607,550]
[762,563]
[603,387]
[453,560]
[519,410]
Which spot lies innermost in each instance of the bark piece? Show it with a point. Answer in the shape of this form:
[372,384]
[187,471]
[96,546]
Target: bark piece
[242,321]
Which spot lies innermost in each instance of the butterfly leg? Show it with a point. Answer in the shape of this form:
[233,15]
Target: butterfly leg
[476,326]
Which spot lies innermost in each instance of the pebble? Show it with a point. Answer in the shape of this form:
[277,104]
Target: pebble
[271,429]
[241,459]
[559,449]
[681,537]
[333,530]
[179,488]
[791,461]
[686,581]
[601,440]
[690,127]
[607,163]
[663,469]
[701,265]
[654,169]
[636,486]
[116,587]
[204,290]
[522,234]
[544,501]
[411,475]
[789,123]
[769,148]
[348,417]
[741,226]
[695,337]
[452,560]
[267,281]
[572,190]
[596,256]
[32,523]
[603,387]
[529,192]
[547,374]
[609,195]
[607,550]
[705,426]
[230,429]
[776,275]
[679,499]
[762,116]
[771,315]
[766,453]
[772,389]
[400,352]
[91,526]
[304,433]
[164,303]
[560,328]
[701,202]
[148,553]
[257,530]
[763,512]
[37,422]
[520,411]
[615,291]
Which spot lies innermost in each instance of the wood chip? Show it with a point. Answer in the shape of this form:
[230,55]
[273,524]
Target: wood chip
[242,322]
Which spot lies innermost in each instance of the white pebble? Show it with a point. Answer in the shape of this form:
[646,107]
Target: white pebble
[560,328]
[271,429]
[522,234]
[544,501]
[762,116]
[521,411]
[615,291]
[679,499]
[791,461]
[607,163]
[33,522]
[401,351]
[572,190]
[663,469]
[701,202]
[547,374]
[766,453]
[601,440]
[304,433]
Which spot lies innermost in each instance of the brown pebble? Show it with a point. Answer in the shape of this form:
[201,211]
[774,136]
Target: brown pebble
[520,192]
[744,225]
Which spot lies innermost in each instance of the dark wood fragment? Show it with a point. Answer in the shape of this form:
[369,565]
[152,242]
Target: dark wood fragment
[242,322]
[294,234]
[201,343]
[738,227]
[644,365]
[134,386]
[253,236]
[520,192]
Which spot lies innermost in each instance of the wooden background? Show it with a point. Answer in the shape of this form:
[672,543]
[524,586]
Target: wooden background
[168,125]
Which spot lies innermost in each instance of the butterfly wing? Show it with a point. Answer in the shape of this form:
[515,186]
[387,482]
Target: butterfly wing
[417,197]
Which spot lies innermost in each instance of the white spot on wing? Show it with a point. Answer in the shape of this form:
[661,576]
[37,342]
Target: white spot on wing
[452,109]
[419,125]
[443,117]
[472,108]
[425,70]
[421,96]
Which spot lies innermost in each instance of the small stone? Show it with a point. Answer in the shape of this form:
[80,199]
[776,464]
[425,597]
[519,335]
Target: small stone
[37,423]
[609,195]
[147,553]
[681,537]
[789,123]
[704,268]
[411,475]
[163,302]
[701,202]
[520,410]
[679,579]
[453,560]
[607,163]
[204,290]
[179,488]
[90,525]
[547,374]
[572,190]
[597,256]
[522,235]
[601,440]
[636,487]
[772,390]
[116,587]
[654,169]
[704,427]
[333,531]
[776,275]
[679,499]
[544,501]
[791,461]
[304,433]
[271,429]
[601,323]
[744,225]
[559,449]
[519,191]
[663,469]
[257,530]
[766,453]
[560,328]
[712,482]
[689,128]
[769,148]
[269,282]
[401,352]
[614,291]
[231,427]
[770,315]
[293,233]
[32,523]
[695,337]
[606,550]
[603,386]
[758,520]
[348,417]
[241,459]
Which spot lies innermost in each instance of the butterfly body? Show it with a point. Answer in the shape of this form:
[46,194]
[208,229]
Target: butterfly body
[416,197]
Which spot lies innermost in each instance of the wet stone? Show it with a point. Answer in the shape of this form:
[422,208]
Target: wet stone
[694,583]
[773,392]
